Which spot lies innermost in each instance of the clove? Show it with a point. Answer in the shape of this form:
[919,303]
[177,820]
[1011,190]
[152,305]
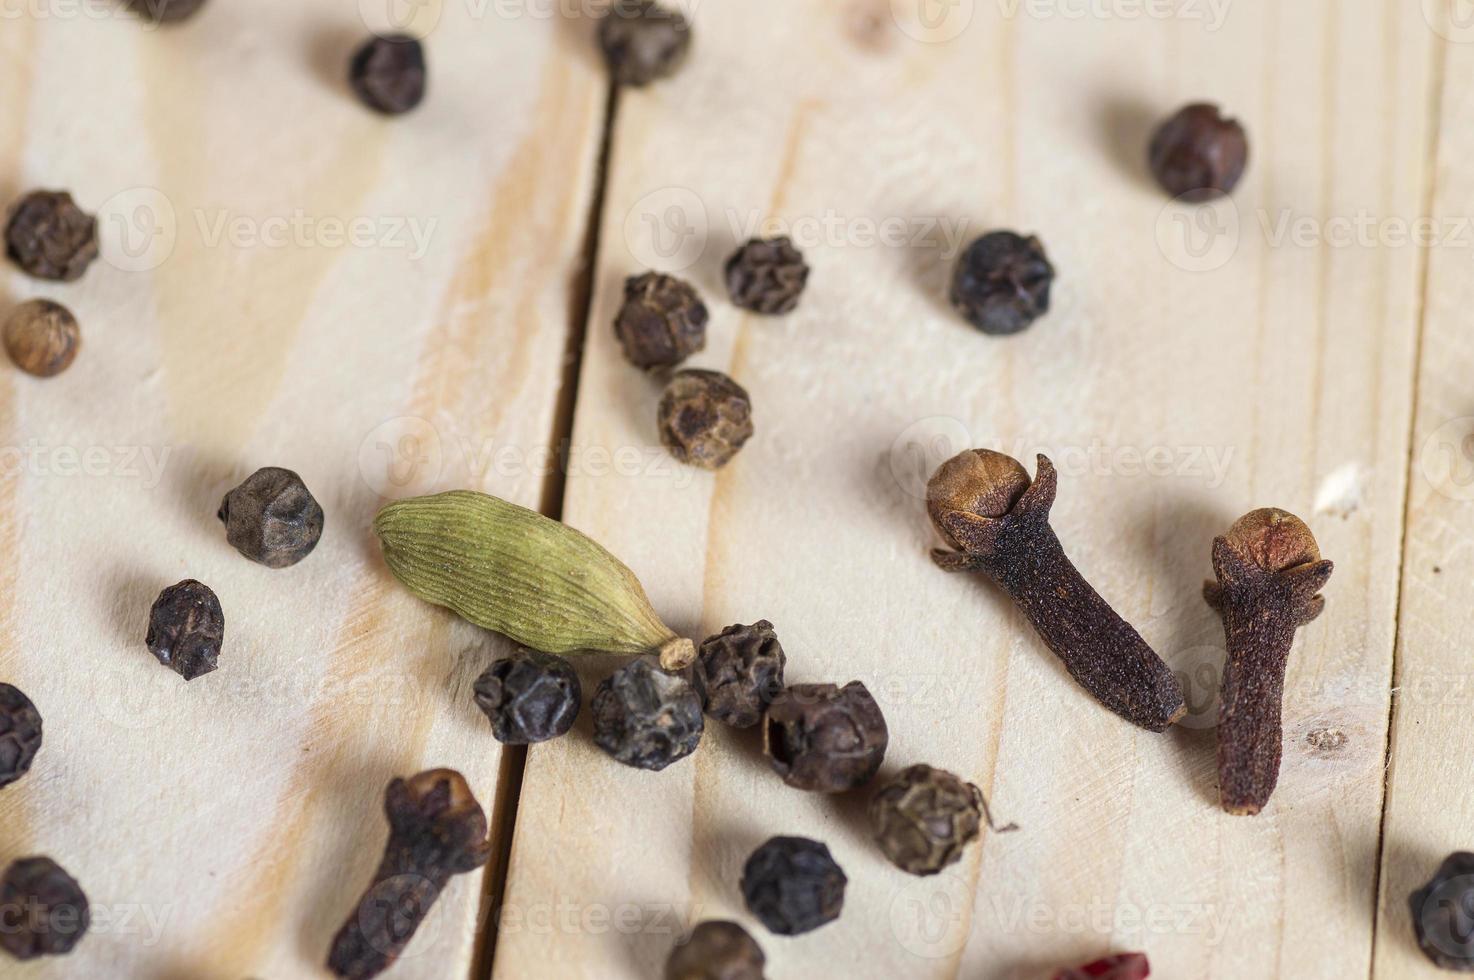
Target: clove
[436,830]
[1269,572]
[984,505]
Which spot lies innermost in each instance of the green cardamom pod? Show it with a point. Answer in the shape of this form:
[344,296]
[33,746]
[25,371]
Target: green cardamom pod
[514,571]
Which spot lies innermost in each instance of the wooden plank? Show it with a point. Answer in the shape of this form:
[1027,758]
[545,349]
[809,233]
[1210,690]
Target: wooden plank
[225,829]
[1176,390]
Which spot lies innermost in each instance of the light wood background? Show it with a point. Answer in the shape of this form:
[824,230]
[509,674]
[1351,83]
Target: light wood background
[1300,346]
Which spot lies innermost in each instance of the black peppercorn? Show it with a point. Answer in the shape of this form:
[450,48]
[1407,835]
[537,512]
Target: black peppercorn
[20,734]
[825,739]
[705,418]
[925,817]
[767,276]
[643,41]
[645,717]
[1001,283]
[166,11]
[716,950]
[662,322]
[42,337]
[185,629]
[529,697]
[1199,153]
[739,672]
[43,911]
[50,237]
[272,518]
[1443,914]
[388,73]
[793,885]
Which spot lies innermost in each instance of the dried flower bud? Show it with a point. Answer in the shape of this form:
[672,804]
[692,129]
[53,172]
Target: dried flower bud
[1443,914]
[42,337]
[976,481]
[925,818]
[1273,539]
[272,518]
[1198,153]
[388,73]
[662,322]
[166,11]
[739,672]
[43,911]
[767,276]
[643,41]
[716,950]
[1001,283]
[185,629]
[705,418]
[645,717]
[50,237]
[1123,966]
[20,734]
[825,739]
[793,885]
[529,697]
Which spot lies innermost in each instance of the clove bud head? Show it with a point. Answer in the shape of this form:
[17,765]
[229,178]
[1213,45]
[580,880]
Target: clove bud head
[1273,539]
[979,482]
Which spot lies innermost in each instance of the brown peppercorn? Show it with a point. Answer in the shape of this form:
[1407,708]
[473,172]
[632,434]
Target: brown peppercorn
[924,819]
[42,337]
[166,11]
[185,629]
[20,734]
[50,237]
[1198,153]
[767,276]
[388,73]
[1443,914]
[716,950]
[825,739]
[662,322]
[705,418]
[1001,283]
[643,41]
[739,672]
[272,518]
[43,911]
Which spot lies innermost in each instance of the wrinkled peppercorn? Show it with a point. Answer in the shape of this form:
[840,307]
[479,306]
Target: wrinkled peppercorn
[185,629]
[1198,153]
[1124,966]
[50,237]
[166,11]
[272,518]
[643,41]
[42,337]
[793,885]
[529,697]
[825,739]
[739,672]
[43,911]
[662,322]
[767,276]
[1001,283]
[20,734]
[716,950]
[388,73]
[705,418]
[1443,914]
[925,817]
[645,717]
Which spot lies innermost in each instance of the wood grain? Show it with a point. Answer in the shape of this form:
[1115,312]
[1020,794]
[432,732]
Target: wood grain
[382,305]
[1178,383]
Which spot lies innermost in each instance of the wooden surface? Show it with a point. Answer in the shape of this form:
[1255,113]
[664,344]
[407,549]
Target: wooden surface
[1290,348]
